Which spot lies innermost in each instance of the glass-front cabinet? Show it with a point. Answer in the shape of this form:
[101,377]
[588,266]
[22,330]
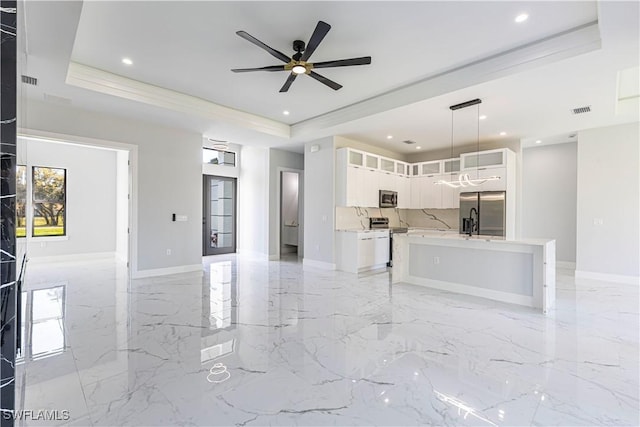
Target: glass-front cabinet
[356,158]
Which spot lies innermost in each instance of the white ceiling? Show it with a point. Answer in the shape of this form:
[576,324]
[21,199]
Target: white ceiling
[190,47]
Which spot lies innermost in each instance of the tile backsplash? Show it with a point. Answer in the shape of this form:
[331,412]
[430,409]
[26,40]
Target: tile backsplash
[358,217]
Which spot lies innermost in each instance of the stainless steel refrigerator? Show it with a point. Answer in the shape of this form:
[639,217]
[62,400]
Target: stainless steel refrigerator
[483,213]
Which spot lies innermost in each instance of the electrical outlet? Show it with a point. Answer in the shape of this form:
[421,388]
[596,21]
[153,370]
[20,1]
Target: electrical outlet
[598,221]
[436,260]
[168,251]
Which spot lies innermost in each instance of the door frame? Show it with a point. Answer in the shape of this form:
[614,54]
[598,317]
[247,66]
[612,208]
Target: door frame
[132,236]
[300,173]
[206,211]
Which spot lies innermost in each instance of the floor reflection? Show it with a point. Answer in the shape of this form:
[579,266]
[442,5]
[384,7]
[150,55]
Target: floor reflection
[43,322]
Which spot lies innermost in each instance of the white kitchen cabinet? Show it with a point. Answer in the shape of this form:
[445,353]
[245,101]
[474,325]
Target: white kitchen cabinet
[404,191]
[387,181]
[356,158]
[484,159]
[414,192]
[356,185]
[431,168]
[362,250]
[451,165]
[450,195]
[430,193]
[491,185]
[371,161]
[387,165]
[369,188]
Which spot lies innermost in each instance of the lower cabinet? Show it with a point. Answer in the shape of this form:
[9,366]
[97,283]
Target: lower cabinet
[358,251]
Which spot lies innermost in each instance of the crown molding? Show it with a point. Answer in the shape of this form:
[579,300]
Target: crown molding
[86,77]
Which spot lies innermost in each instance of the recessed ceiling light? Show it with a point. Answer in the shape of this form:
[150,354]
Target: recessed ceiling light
[418,147]
[285,112]
[538,142]
[127,61]
[503,133]
[482,117]
[522,17]
[389,136]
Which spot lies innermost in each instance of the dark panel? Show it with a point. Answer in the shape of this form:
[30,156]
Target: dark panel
[8,291]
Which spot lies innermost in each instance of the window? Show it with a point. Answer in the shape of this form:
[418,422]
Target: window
[21,201]
[218,157]
[49,201]
[41,201]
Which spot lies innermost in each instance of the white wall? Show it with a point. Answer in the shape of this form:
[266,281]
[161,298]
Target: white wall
[278,159]
[549,193]
[253,201]
[289,212]
[91,197]
[169,174]
[608,190]
[319,203]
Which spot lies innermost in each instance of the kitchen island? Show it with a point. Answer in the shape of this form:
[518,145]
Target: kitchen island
[514,271]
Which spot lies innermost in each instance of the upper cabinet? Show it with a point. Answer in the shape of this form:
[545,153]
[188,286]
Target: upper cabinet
[484,159]
[451,165]
[356,158]
[387,165]
[371,161]
[431,168]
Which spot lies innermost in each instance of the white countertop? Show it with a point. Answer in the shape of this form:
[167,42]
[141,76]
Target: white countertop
[454,235]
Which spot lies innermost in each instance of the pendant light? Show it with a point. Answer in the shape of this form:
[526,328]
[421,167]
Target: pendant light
[463,179]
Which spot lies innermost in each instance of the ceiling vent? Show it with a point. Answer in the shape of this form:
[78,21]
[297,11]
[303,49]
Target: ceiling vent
[409,142]
[581,110]
[29,80]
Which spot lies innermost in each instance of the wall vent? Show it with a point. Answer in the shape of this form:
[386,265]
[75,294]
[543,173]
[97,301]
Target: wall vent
[581,110]
[29,80]
[408,141]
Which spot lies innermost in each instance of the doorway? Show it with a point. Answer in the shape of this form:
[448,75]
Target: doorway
[218,215]
[290,214]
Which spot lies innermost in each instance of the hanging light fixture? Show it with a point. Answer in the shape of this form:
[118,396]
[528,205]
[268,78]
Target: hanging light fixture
[463,178]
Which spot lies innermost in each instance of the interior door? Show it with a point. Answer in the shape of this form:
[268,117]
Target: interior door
[219,215]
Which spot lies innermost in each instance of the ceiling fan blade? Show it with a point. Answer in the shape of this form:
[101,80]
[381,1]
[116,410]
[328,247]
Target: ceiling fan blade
[343,62]
[318,34]
[268,68]
[322,79]
[290,80]
[281,56]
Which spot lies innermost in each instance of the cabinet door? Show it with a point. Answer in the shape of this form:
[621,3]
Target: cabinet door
[381,250]
[430,194]
[353,189]
[486,159]
[366,252]
[430,168]
[414,191]
[369,186]
[404,192]
[494,185]
[387,181]
[450,195]
[387,165]
[356,158]
[372,161]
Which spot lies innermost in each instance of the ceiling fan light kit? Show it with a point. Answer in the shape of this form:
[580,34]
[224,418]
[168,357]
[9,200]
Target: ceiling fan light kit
[298,63]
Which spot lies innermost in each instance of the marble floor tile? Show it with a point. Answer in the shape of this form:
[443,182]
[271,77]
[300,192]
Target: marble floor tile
[253,342]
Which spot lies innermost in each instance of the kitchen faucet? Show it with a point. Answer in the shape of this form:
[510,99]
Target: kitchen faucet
[473,223]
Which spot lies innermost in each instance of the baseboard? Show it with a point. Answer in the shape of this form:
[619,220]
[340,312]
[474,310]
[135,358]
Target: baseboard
[141,274]
[317,264]
[93,256]
[617,278]
[274,257]
[569,265]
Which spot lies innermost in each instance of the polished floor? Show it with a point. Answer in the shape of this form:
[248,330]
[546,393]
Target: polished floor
[267,343]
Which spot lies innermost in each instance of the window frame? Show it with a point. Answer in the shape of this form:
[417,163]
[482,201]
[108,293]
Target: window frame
[33,202]
[26,201]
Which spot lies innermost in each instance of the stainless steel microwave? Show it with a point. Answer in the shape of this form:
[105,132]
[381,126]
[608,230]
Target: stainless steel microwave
[388,199]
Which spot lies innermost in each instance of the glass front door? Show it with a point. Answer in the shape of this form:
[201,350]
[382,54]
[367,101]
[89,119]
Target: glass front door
[219,216]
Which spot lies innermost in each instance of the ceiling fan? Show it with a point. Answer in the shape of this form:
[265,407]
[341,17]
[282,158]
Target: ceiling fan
[298,63]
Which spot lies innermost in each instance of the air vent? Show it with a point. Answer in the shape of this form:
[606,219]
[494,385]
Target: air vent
[29,80]
[409,142]
[581,110]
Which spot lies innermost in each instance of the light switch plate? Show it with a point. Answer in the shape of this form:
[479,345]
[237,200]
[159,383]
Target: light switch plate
[181,218]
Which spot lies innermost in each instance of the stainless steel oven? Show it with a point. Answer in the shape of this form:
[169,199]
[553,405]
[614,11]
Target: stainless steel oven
[388,199]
